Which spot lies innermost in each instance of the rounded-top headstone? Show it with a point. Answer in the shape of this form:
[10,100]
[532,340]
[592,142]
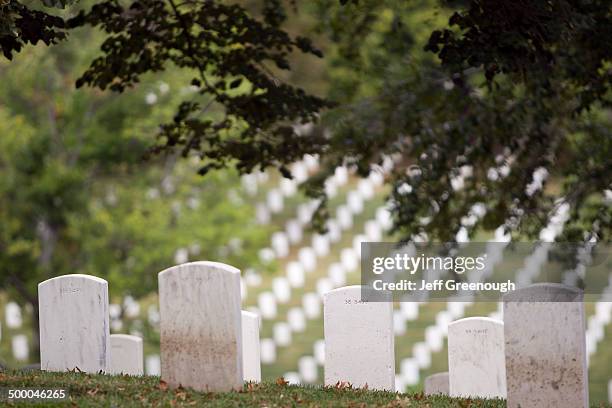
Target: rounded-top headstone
[126,354]
[74,324]
[436,384]
[200,327]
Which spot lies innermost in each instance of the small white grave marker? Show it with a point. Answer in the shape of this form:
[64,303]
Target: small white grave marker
[74,324]
[358,340]
[126,354]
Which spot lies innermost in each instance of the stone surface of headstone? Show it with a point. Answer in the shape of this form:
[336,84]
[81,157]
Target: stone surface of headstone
[12,315]
[311,303]
[295,274]
[251,349]
[296,319]
[74,324]
[308,258]
[436,384]
[281,289]
[268,351]
[476,363]
[282,334]
[19,344]
[200,328]
[126,354]
[307,367]
[359,346]
[267,305]
[545,348]
[153,365]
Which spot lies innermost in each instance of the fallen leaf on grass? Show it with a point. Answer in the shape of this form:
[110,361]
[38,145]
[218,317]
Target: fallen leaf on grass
[281,381]
[163,385]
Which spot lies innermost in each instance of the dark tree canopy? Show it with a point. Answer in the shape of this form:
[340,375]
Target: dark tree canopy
[507,96]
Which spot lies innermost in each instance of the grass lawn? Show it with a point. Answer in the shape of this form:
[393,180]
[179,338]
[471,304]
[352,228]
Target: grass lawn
[86,390]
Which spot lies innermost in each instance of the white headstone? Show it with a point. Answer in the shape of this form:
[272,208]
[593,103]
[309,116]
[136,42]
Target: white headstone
[280,244]
[436,384]
[307,367]
[292,378]
[383,216]
[153,365]
[296,319]
[74,324]
[349,259]
[288,187]
[334,232]
[308,258]
[546,361]
[294,231]
[268,351]
[399,323]
[267,305]
[282,334]
[200,329]
[320,244]
[299,172]
[409,370]
[366,189]
[19,344]
[358,340]
[324,285]
[12,315]
[434,337]
[251,363]
[295,274]
[282,291]
[304,213]
[126,354]
[354,202]
[344,217]
[336,274]
[311,304]
[274,201]
[262,214]
[410,310]
[319,351]
[422,355]
[373,231]
[476,365]
[331,188]
[341,175]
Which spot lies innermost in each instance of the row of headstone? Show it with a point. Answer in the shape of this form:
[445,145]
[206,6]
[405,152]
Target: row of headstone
[535,358]
[206,341]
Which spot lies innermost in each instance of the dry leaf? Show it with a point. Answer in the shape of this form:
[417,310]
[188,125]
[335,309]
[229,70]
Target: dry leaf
[281,381]
[163,385]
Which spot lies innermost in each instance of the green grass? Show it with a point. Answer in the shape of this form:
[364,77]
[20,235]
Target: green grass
[87,390]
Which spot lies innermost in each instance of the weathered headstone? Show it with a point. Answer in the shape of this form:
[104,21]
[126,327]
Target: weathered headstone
[545,347]
[126,354]
[74,324]
[251,361]
[436,384]
[200,328]
[476,365]
[358,340]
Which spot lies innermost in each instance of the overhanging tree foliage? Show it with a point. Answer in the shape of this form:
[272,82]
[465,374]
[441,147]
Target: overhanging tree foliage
[505,90]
